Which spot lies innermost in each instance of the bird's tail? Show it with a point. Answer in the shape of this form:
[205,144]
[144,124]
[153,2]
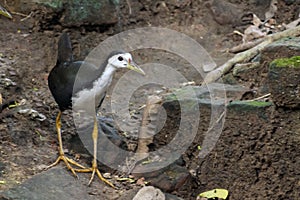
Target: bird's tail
[65,53]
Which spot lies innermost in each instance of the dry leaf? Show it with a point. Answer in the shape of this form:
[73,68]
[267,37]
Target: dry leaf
[272,10]
[215,193]
[252,32]
[141,181]
[256,21]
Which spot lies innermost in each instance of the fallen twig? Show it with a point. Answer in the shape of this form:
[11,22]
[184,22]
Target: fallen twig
[20,14]
[247,55]
[129,6]
[28,16]
[293,24]
[259,98]
[245,46]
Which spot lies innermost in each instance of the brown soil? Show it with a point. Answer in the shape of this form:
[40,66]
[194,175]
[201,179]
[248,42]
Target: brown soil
[27,145]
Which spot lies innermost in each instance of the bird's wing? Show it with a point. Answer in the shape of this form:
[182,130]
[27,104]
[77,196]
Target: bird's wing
[85,76]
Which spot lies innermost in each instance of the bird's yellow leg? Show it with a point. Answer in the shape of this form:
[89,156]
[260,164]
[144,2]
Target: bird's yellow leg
[62,156]
[94,169]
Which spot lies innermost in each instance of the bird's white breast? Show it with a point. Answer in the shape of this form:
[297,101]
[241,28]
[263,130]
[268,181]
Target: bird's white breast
[88,99]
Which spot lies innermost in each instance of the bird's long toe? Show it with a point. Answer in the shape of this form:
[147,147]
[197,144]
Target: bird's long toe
[94,170]
[69,162]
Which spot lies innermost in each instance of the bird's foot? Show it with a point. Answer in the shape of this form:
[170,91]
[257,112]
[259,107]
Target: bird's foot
[94,171]
[68,162]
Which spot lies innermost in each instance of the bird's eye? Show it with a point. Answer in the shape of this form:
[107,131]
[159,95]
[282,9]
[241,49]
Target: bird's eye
[120,58]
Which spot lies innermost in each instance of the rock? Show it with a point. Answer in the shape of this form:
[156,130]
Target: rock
[284,82]
[203,93]
[149,193]
[55,184]
[108,134]
[242,70]
[74,12]
[172,197]
[284,48]
[225,13]
[129,194]
[89,12]
[167,179]
[246,106]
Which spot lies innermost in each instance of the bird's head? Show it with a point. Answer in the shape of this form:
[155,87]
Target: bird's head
[124,60]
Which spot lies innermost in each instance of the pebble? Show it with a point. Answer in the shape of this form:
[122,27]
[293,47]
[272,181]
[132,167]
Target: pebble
[149,193]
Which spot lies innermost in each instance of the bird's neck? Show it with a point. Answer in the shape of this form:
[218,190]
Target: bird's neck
[107,74]
[95,94]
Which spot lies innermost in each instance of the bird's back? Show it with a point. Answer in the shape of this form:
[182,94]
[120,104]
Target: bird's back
[68,76]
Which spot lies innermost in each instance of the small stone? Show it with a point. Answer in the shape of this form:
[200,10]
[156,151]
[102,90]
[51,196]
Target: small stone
[106,175]
[167,179]
[141,181]
[225,13]
[149,193]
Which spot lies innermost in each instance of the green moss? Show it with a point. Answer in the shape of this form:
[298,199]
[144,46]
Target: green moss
[257,103]
[248,105]
[286,62]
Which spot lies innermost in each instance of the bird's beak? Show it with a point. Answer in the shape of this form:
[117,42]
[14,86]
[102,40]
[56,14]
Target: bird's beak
[133,66]
[5,13]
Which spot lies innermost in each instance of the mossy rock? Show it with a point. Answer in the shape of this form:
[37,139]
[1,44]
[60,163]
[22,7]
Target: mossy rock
[74,12]
[248,105]
[248,109]
[284,81]
[283,48]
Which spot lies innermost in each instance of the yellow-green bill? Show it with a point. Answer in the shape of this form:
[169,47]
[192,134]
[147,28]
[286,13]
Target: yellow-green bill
[216,193]
[5,12]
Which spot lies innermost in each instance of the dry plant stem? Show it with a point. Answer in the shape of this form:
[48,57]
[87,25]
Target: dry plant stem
[259,98]
[245,46]
[293,23]
[20,14]
[145,133]
[129,7]
[247,55]
[27,17]
[216,122]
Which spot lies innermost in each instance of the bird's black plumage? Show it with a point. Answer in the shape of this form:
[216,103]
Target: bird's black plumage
[62,77]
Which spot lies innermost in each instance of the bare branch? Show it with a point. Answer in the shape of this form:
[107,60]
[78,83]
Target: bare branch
[247,55]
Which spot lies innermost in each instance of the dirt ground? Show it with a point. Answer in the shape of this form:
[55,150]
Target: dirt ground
[28,143]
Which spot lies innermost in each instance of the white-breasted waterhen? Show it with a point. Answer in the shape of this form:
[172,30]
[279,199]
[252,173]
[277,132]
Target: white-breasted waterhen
[92,83]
